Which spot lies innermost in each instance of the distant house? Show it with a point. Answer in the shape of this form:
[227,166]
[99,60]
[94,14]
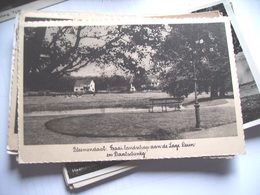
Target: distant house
[152,83]
[84,86]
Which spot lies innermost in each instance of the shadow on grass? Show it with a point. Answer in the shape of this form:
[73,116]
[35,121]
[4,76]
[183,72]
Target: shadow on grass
[143,126]
[162,134]
[157,134]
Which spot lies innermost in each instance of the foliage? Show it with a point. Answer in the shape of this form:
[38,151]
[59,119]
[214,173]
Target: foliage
[180,53]
[110,83]
[140,78]
[54,52]
[195,52]
[220,7]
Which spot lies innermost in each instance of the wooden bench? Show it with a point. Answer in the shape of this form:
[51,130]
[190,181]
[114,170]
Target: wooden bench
[164,102]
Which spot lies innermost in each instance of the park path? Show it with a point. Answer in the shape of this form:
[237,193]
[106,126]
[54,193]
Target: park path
[230,103]
[85,111]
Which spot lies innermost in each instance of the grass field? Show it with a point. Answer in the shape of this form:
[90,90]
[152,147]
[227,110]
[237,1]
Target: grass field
[156,125]
[126,126]
[121,126]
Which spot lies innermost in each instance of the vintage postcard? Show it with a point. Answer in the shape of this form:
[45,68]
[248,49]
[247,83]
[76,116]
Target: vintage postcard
[125,90]
[29,16]
[78,172]
[25,16]
[12,140]
[247,74]
[12,8]
[100,178]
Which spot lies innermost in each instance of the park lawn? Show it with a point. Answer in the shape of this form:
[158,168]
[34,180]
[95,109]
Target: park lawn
[205,102]
[94,128]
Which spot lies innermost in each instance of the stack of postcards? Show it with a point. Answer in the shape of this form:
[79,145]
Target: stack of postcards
[101,93]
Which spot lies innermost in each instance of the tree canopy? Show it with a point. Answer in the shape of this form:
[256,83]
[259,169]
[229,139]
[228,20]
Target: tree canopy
[176,52]
[195,51]
[54,52]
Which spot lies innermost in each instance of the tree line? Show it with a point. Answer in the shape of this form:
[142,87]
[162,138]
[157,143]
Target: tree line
[102,83]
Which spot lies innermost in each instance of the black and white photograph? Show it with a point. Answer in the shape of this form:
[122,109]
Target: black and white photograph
[249,92]
[30,16]
[129,82]
[101,84]
[51,16]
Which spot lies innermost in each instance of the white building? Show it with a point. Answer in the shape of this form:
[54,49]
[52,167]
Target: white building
[84,86]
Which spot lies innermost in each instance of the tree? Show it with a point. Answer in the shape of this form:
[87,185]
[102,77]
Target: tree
[63,50]
[174,51]
[33,39]
[195,50]
[220,7]
[140,78]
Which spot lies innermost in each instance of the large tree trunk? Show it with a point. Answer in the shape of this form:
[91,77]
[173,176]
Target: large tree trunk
[213,92]
[222,92]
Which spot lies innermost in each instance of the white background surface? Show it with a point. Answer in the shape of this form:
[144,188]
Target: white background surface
[180,176]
